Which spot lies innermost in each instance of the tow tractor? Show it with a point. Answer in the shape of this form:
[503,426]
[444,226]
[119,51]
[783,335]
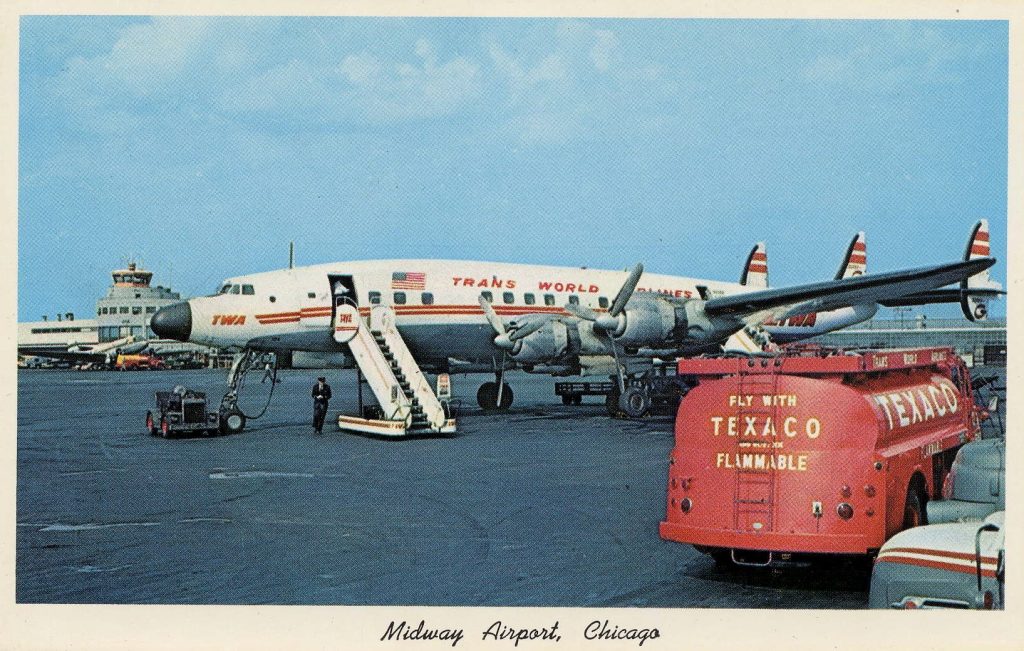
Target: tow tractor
[813,451]
[183,411]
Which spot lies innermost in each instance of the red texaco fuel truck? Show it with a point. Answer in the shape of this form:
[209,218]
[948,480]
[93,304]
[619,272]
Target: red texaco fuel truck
[813,451]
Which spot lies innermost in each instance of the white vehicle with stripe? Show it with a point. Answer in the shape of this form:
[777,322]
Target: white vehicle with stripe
[958,565]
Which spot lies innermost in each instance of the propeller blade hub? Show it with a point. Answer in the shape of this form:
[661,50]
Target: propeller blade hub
[503,341]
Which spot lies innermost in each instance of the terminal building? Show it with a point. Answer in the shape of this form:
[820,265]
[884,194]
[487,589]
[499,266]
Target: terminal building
[125,310]
[980,342]
[130,304]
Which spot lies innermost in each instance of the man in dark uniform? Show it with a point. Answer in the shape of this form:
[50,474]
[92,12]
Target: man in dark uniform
[321,396]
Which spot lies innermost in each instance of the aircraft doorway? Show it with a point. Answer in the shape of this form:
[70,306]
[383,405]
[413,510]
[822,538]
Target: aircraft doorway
[343,292]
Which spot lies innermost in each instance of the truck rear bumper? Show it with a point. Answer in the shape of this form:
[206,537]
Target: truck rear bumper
[810,543]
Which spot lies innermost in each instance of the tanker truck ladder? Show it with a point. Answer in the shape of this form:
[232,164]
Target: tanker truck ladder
[405,396]
[754,496]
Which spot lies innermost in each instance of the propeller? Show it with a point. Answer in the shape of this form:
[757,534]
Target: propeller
[613,321]
[506,338]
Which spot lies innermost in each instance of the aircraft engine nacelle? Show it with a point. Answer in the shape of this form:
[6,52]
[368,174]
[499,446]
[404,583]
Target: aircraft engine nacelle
[652,323]
[696,327]
[547,344]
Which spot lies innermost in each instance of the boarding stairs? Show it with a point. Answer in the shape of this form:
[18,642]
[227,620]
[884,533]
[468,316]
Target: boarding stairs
[406,399]
[755,488]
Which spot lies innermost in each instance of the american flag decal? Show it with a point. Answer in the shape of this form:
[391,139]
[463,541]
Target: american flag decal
[408,280]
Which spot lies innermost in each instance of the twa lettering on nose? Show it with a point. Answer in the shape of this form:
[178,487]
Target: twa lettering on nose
[228,319]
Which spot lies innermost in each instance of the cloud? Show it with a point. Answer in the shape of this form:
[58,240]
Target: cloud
[898,56]
[362,88]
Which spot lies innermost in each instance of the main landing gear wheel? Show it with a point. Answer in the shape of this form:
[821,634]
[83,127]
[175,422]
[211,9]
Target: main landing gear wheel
[635,402]
[487,397]
[232,421]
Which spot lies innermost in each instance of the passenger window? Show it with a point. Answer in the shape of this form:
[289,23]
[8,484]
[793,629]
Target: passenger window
[248,290]
[273,299]
[123,309]
[508,297]
[602,301]
[549,299]
[427,298]
[236,289]
[375,298]
[489,297]
[574,299]
[151,309]
[308,294]
[399,298]
[136,310]
[529,299]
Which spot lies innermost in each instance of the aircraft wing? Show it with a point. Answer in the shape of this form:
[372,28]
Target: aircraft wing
[943,295]
[754,307]
[77,356]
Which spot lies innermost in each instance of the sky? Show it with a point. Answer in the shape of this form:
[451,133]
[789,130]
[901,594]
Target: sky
[202,146]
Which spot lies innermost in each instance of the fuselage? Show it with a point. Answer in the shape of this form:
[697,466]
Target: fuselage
[436,303]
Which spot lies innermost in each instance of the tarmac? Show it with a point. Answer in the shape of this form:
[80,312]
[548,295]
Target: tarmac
[545,505]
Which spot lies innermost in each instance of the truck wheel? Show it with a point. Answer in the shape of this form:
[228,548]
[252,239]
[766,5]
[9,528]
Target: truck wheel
[611,401]
[913,512]
[566,400]
[232,422]
[577,400]
[150,424]
[635,402]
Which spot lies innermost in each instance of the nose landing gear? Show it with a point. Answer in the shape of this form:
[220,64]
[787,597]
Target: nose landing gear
[232,418]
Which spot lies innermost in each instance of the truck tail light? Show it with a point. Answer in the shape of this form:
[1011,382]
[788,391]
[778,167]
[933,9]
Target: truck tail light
[845,511]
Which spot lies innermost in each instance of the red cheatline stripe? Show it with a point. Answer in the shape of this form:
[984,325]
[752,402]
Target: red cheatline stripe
[276,315]
[759,257]
[979,249]
[345,329]
[939,565]
[939,552]
[858,259]
[981,236]
[757,268]
[859,246]
[279,320]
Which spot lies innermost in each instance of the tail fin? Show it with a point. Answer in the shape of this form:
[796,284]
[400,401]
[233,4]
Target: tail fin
[755,271]
[975,307]
[856,261]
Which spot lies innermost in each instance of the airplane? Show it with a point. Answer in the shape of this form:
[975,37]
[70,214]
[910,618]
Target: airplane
[104,353]
[465,316]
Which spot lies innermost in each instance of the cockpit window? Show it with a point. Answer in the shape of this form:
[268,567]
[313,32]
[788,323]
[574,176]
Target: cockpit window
[248,290]
[225,289]
[236,289]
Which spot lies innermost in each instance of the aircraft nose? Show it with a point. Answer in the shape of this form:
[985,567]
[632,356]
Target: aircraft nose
[173,322]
